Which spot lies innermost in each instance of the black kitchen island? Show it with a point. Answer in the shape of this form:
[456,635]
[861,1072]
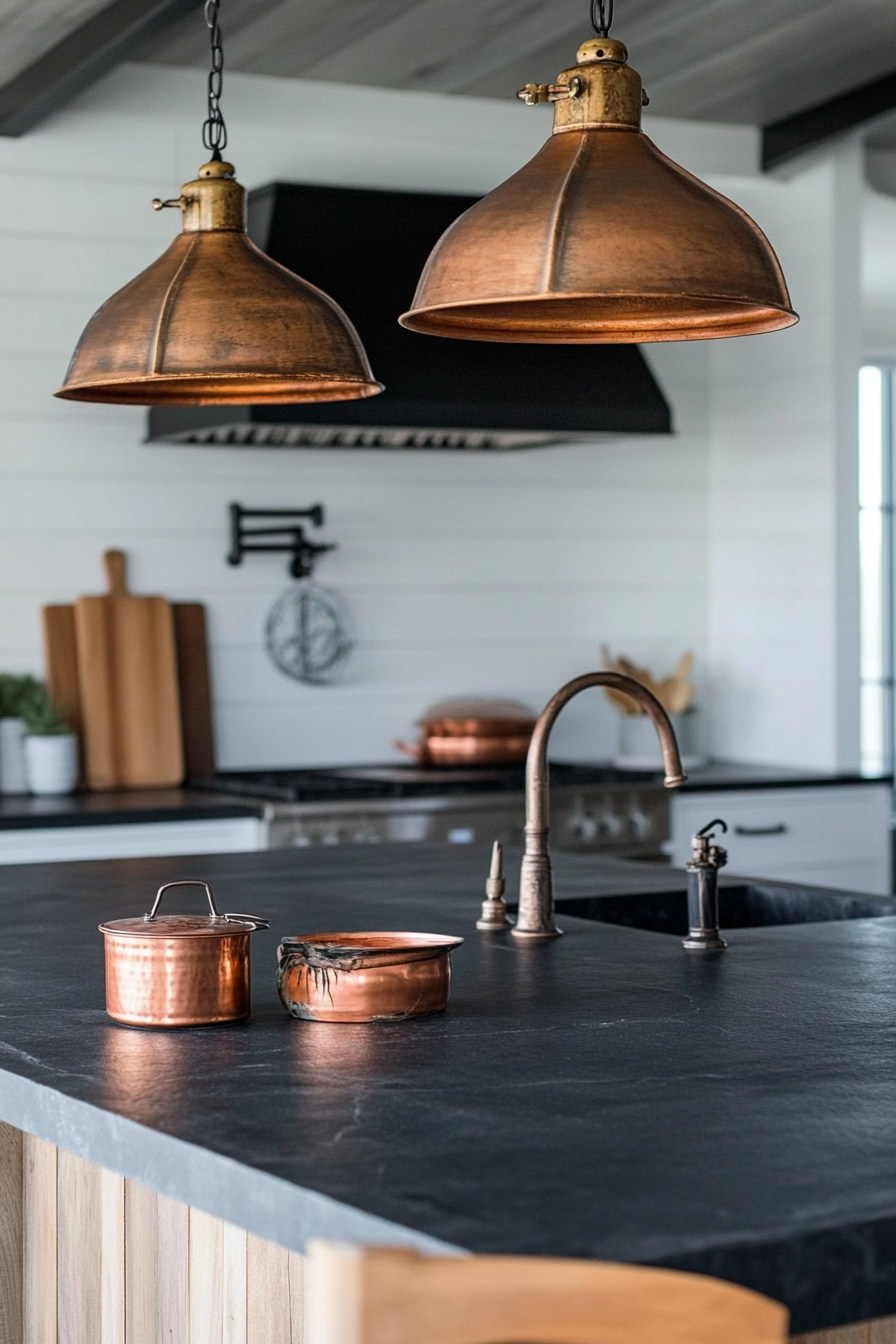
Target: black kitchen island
[603,1095]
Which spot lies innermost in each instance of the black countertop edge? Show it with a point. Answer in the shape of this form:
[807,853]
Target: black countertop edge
[23,812]
[290,1215]
[851,1270]
[248,1198]
[730,776]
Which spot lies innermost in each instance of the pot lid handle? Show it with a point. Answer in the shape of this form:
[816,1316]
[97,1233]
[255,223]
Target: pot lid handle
[257,920]
[186,882]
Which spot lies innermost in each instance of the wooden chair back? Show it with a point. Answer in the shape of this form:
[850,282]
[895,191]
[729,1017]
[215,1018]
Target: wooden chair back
[383,1295]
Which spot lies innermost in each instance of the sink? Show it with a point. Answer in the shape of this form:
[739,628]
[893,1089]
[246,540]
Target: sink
[742,905]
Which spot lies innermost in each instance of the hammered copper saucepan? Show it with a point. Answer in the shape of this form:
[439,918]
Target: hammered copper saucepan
[179,970]
[365,977]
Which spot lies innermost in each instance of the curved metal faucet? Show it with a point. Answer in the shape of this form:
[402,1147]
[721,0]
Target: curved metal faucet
[536,910]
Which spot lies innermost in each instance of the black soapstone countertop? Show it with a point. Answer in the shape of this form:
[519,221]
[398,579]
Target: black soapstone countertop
[118,807]
[604,1094]
[242,793]
[729,775]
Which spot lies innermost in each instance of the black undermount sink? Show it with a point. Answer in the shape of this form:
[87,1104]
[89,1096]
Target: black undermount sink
[746,905]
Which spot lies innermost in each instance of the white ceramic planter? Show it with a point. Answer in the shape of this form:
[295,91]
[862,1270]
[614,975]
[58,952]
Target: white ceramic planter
[52,763]
[12,756]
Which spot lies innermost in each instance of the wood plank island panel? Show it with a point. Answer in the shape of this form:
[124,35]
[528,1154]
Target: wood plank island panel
[879,1331]
[11,1223]
[88,1257]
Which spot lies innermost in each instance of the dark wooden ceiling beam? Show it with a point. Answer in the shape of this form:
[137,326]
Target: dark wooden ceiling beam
[783,140]
[115,34]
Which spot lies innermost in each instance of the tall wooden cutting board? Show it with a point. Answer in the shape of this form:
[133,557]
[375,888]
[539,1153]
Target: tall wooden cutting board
[193,672]
[127,675]
[195,689]
[61,663]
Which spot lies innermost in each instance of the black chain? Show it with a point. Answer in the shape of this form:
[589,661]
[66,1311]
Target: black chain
[602,17]
[214,132]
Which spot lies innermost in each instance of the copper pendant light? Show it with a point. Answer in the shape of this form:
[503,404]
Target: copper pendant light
[600,237]
[215,320]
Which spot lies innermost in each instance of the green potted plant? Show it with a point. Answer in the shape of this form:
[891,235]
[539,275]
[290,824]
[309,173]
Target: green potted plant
[51,748]
[13,689]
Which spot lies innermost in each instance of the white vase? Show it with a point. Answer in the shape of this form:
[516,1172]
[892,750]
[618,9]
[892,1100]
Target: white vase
[13,778]
[51,762]
[639,746]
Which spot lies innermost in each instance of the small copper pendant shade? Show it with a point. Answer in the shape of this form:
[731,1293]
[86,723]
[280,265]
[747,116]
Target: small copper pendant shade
[600,237]
[215,321]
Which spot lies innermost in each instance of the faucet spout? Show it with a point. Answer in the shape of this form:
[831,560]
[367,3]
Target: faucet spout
[536,909]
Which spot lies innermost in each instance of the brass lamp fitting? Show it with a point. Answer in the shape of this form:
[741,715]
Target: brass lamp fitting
[603,90]
[213,201]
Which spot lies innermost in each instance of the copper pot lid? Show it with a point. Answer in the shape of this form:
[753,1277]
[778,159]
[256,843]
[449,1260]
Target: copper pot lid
[213,925]
[353,951]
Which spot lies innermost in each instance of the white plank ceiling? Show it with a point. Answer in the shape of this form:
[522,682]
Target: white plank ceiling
[28,28]
[728,60]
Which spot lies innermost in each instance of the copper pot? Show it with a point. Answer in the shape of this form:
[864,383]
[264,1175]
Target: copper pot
[178,970]
[473,732]
[473,750]
[364,977]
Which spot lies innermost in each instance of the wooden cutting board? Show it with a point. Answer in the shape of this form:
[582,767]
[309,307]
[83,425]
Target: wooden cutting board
[195,689]
[193,675]
[127,675]
[61,663]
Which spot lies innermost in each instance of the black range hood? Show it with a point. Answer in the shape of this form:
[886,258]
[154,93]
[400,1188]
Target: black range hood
[367,249]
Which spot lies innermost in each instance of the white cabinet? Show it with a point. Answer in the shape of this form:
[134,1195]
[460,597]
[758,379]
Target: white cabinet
[132,840]
[832,835]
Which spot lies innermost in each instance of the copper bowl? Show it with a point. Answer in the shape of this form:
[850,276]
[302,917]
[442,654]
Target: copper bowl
[364,977]
[178,970]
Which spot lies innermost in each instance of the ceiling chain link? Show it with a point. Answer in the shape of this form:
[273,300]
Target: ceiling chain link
[214,131]
[602,17]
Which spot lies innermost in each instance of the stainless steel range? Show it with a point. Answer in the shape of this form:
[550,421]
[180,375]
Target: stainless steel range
[595,808]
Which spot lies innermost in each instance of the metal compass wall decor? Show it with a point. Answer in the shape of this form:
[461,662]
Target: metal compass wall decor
[308,631]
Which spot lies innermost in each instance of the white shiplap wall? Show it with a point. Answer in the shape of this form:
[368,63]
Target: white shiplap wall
[783,536]
[879,270]
[492,574]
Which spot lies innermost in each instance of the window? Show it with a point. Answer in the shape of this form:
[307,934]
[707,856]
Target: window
[877,385]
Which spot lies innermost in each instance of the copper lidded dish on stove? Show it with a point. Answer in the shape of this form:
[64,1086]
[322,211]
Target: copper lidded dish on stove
[473,731]
[178,970]
[364,977]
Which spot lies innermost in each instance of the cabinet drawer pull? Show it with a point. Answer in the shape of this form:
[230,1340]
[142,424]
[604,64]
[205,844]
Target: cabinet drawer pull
[780,829]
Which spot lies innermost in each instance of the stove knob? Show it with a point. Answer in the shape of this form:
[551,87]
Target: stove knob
[581,824]
[608,824]
[301,839]
[365,834]
[330,836]
[638,822]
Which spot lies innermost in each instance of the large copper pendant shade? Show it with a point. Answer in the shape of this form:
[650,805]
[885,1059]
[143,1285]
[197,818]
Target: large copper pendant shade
[214,321]
[600,237]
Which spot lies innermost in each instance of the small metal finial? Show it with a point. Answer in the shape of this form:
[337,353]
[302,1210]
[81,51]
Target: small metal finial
[494,911]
